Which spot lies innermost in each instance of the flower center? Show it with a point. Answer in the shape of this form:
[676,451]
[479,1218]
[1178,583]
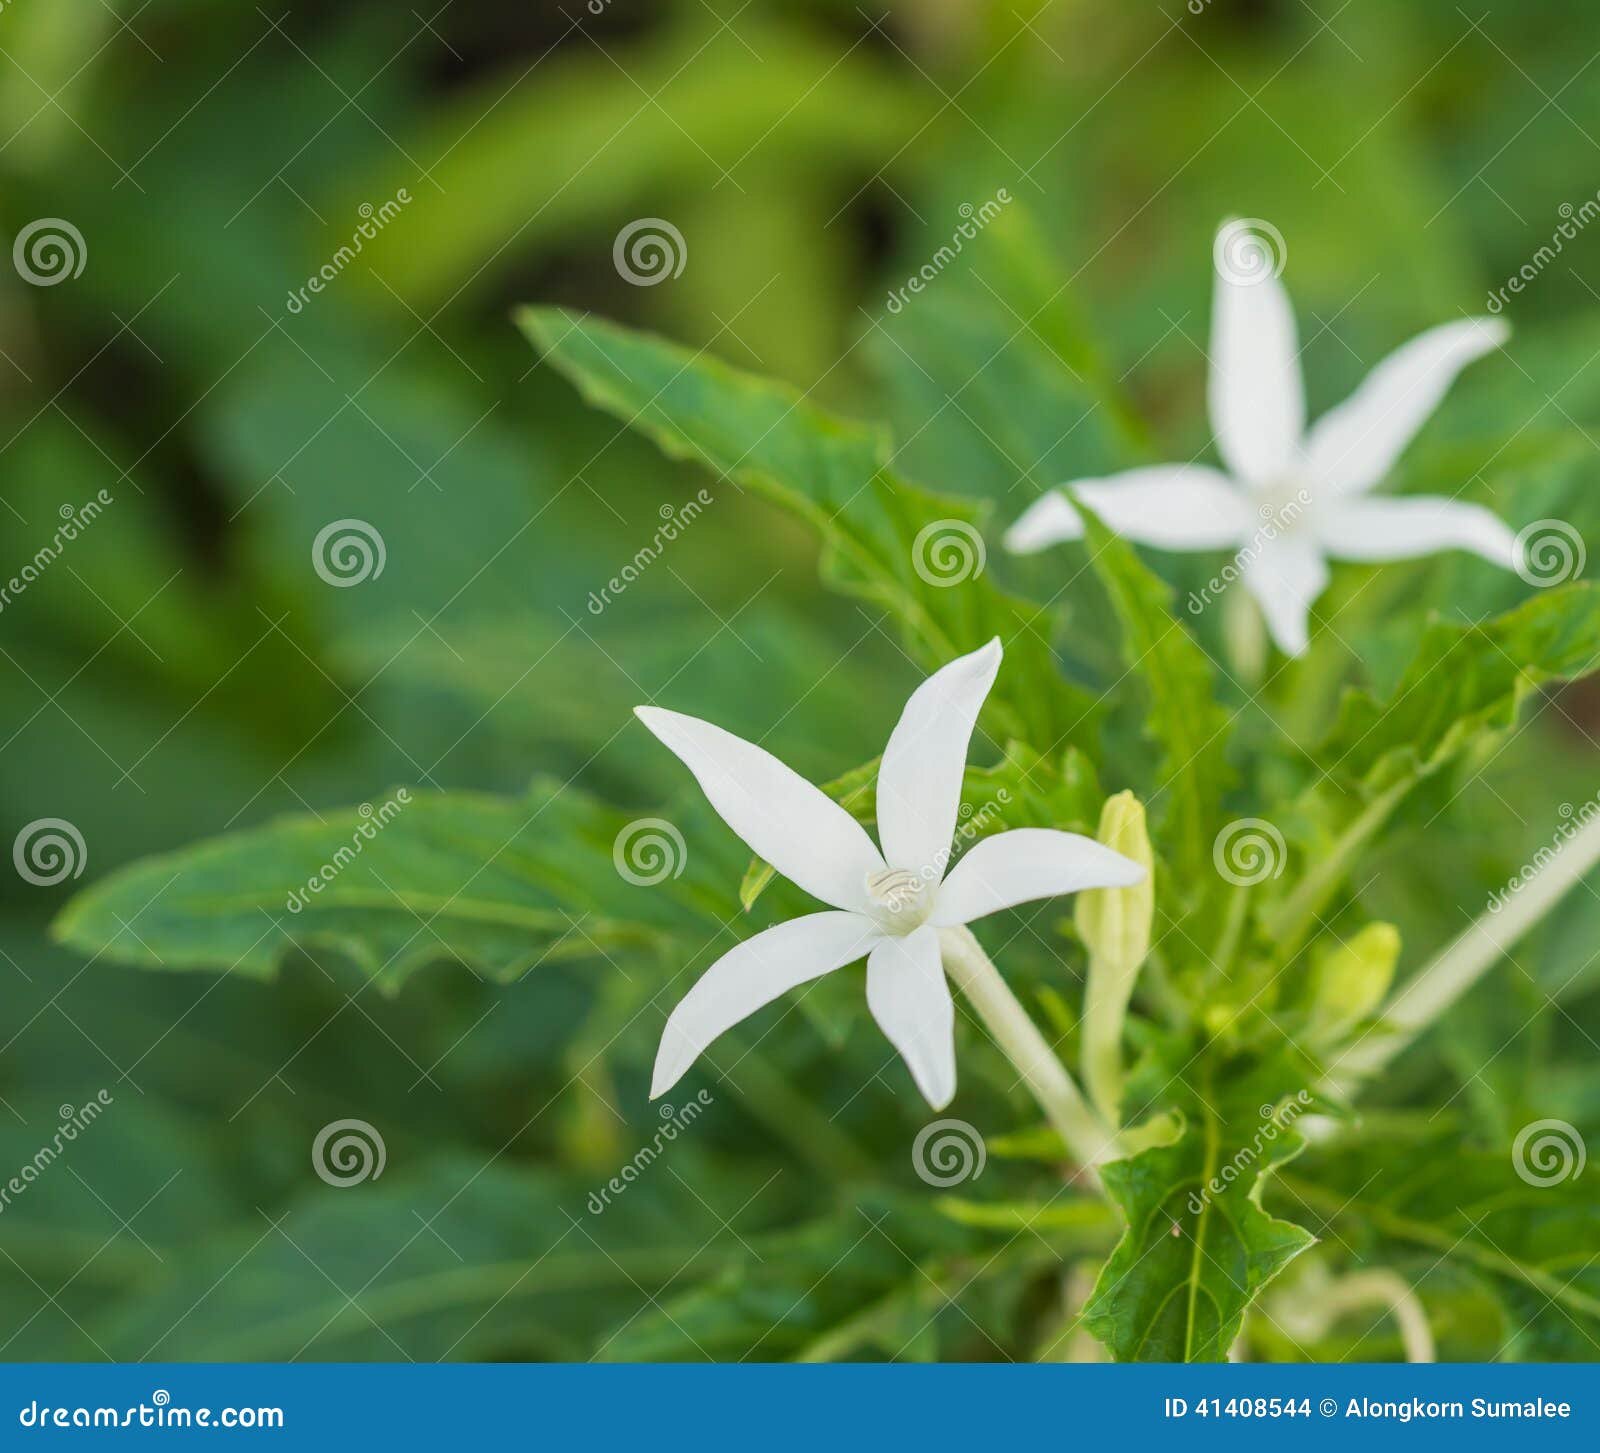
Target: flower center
[900,899]
[1281,506]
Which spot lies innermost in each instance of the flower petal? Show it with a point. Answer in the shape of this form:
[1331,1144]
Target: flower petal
[794,826]
[908,996]
[1285,576]
[1027,863]
[1353,446]
[1257,397]
[919,781]
[1049,520]
[1399,529]
[751,975]
[1169,506]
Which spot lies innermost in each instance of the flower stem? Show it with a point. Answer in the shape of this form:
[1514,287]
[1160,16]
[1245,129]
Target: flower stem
[1086,1135]
[1427,994]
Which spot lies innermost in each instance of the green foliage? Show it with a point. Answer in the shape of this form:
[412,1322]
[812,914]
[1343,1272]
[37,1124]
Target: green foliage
[184,687]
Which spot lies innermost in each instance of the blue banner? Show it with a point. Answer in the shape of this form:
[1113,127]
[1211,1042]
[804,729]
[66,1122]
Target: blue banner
[711,1408]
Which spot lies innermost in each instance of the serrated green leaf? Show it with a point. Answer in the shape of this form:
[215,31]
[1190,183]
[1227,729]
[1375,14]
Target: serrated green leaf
[918,554]
[498,883]
[1198,1248]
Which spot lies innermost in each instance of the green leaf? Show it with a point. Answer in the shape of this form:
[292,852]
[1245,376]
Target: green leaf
[1198,1248]
[498,883]
[917,554]
[1186,718]
[1536,1244]
[1464,685]
[1462,691]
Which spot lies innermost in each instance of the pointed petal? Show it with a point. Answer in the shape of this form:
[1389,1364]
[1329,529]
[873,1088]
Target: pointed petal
[919,781]
[1169,506]
[1049,520]
[794,826]
[908,996]
[1027,863]
[1401,529]
[1352,447]
[1285,576]
[752,975]
[1257,398]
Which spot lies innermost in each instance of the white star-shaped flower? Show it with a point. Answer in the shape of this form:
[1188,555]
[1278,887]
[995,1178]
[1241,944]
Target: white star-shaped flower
[889,906]
[1292,498]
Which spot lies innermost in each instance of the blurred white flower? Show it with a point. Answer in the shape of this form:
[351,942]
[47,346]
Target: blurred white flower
[1292,498]
[888,906]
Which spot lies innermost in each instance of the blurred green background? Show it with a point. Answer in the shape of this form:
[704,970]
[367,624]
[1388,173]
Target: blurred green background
[182,669]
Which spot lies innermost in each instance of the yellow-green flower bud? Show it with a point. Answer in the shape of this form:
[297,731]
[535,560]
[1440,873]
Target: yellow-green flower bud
[1352,980]
[1114,924]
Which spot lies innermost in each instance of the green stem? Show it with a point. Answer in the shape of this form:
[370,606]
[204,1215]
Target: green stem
[1085,1134]
[1427,994]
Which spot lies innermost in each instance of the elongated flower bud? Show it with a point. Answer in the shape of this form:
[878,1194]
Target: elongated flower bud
[1352,980]
[1114,924]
